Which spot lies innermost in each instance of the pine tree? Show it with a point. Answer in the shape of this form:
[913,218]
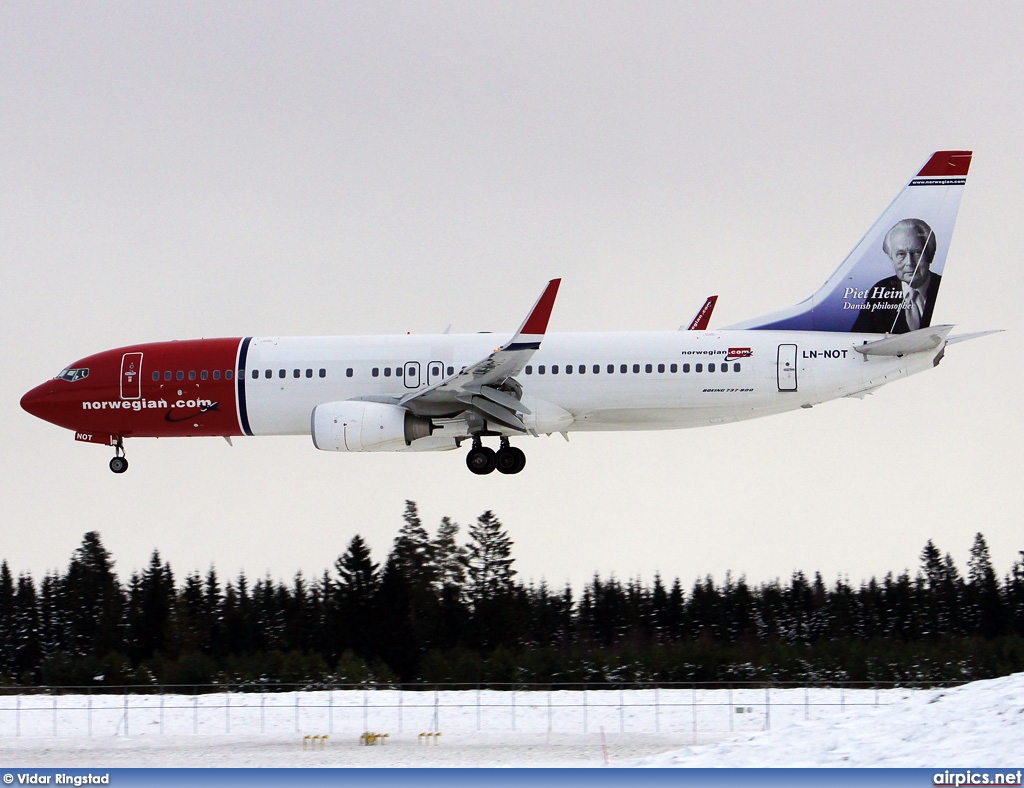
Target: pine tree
[449,556]
[7,627]
[984,603]
[151,600]
[413,551]
[489,559]
[28,652]
[92,601]
[357,586]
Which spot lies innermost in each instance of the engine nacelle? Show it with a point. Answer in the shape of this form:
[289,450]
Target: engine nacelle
[366,426]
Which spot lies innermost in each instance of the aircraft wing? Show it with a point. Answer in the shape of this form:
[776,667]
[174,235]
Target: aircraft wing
[486,387]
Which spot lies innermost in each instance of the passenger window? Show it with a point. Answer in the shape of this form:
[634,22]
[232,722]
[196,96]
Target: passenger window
[711,367]
[686,368]
[698,367]
[387,372]
[554,369]
[348,372]
[540,370]
[216,374]
[725,367]
[309,373]
[622,369]
[568,369]
[229,374]
[255,374]
[167,375]
[674,368]
[204,375]
[156,376]
[180,375]
[597,369]
[451,370]
[528,370]
[323,372]
[736,367]
[375,372]
[191,374]
[583,369]
[282,373]
[636,369]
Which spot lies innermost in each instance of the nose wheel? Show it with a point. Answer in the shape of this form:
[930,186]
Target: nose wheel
[482,460]
[119,464]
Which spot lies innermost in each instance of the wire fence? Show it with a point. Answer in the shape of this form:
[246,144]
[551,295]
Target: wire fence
[699,710]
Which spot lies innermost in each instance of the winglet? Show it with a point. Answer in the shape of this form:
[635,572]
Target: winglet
[532,330]
[703,317]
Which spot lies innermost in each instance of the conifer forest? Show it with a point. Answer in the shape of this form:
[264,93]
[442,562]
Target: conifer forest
[447,608]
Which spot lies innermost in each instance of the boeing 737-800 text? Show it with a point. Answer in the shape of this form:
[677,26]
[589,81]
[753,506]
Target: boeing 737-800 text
[869,324]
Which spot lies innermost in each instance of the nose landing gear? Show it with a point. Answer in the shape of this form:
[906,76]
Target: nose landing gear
[482,460]
[119,464]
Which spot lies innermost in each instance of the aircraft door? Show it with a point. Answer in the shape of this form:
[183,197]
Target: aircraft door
[131,376]
[412,374]
[787,367]
[435,372]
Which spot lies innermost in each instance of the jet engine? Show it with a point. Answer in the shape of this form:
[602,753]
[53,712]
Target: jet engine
[366,426]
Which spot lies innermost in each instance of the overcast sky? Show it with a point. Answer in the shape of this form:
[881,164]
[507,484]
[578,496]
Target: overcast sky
[178,170]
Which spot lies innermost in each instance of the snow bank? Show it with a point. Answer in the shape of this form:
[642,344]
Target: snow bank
[977,725]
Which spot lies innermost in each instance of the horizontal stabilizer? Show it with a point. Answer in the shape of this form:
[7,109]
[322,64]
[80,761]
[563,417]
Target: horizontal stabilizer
[964,337]
[920,341]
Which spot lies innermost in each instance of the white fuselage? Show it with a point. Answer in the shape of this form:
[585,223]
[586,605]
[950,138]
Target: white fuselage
[579,381]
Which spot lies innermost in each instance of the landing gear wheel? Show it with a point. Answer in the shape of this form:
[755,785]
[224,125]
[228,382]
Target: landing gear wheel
[480,460]
[119,464]
[510,459]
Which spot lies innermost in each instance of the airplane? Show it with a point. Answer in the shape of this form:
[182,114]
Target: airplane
[868,325]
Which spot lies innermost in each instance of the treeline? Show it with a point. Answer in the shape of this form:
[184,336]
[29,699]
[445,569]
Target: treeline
[441,610]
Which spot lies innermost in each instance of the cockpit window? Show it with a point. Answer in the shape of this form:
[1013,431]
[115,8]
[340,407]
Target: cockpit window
[73,374]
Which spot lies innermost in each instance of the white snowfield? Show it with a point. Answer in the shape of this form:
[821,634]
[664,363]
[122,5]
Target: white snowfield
[975,725]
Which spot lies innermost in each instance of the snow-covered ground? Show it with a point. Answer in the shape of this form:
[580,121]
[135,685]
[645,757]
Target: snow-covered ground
[979,724]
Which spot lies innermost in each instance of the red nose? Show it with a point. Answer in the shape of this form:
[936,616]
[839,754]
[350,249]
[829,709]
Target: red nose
[39,402]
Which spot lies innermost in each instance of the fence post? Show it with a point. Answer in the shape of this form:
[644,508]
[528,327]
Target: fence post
[693,711]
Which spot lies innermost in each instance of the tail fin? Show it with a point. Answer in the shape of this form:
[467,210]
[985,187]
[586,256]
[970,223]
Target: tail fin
[889,282]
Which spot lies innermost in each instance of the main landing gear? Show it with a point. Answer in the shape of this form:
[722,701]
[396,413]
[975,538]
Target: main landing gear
[119,464]
[507,459]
